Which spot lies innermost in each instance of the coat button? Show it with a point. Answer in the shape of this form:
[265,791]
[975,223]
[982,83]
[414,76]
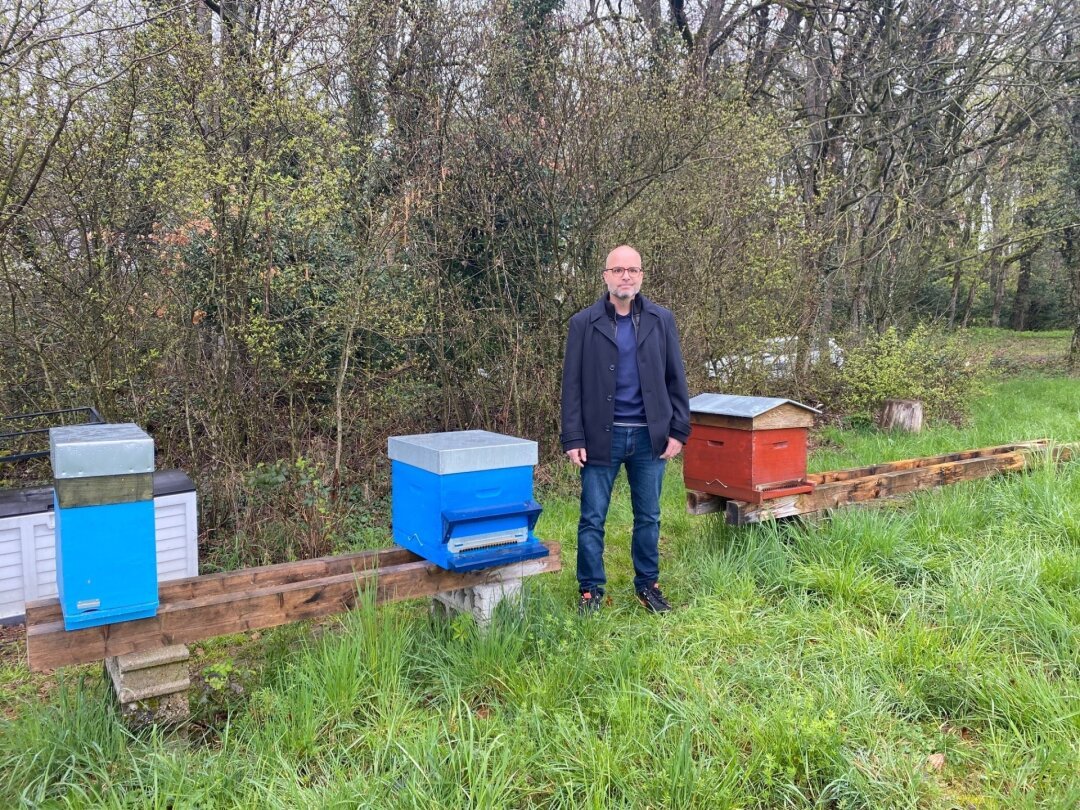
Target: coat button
[607,428]
[611,368]
[609,398]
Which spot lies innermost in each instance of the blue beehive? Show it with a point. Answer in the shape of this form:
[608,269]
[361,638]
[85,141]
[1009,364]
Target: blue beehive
[464,500]
[106,560]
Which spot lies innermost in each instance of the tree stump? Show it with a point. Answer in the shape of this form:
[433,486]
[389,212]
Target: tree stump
[902,414]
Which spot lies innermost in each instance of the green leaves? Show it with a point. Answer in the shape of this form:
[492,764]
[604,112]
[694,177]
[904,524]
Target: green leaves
[926,365]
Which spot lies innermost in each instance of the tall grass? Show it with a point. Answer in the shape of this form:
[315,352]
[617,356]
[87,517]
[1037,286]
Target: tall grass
[807,665]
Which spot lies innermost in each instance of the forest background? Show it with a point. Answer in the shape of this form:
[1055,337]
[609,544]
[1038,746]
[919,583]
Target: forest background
[275,232]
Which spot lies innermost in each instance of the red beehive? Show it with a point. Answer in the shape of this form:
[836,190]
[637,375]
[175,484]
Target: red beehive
[747,448]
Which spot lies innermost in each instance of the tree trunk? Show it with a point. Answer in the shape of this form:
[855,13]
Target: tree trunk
[902,414]
[1022,302]
[955,295]
[1023,296]
[1074,347]
[997,283]
[1071,254]
[972,289]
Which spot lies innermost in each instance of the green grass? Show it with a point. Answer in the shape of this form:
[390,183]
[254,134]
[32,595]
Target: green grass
[1018,349]
[1029,407]
[813,665]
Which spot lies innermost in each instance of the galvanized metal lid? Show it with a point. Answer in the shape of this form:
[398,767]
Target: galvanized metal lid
[462,451]
[82,451]
[732,405]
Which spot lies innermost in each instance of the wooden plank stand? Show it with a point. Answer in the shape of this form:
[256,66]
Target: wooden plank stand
[860,484]
[256,598]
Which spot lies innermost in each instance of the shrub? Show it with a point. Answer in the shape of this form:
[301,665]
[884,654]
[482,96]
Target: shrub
[926,365]
[290,514]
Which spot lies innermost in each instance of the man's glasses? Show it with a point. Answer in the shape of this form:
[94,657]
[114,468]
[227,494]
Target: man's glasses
[619,271]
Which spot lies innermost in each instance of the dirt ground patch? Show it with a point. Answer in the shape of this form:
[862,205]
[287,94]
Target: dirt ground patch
[12,645]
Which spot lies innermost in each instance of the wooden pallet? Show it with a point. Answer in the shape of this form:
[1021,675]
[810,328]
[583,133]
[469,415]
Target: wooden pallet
[887,480]
[255,598]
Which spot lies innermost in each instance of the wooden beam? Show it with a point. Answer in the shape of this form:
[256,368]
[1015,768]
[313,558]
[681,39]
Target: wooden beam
[886,485]
[924,461]
[889,479]
[43,611]
[703,503]
[234,606]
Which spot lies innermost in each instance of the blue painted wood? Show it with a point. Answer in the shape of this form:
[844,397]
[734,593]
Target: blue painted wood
[106,563]
[432,514]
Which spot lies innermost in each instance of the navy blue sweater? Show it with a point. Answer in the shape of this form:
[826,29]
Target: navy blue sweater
[629,405]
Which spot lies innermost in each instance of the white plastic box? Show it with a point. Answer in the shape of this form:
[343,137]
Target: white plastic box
[28,540]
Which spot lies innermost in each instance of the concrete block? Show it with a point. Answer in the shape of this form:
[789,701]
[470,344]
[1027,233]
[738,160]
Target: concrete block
[481,600]
[152,687]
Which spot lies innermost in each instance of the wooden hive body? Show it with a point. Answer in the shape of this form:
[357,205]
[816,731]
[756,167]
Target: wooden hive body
[749,457]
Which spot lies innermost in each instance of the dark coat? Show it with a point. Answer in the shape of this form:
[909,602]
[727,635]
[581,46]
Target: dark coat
[588,386]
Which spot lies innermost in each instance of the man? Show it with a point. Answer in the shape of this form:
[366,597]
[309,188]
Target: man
[624,402]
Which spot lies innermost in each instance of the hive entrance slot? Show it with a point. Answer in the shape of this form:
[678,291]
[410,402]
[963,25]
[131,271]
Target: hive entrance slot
[487,540]
[779,485]
[509,541]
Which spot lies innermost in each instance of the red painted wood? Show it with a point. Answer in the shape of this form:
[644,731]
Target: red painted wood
[742,464]
[779,455]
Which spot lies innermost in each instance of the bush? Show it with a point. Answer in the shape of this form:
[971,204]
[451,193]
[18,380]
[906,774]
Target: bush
[926,365]
[289,512]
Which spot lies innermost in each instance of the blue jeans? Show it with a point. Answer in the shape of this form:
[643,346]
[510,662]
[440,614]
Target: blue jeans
[645,472]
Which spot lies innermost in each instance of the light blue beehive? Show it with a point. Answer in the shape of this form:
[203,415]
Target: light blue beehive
[464,499]
[106,560]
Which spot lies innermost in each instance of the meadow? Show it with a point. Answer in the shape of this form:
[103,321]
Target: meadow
[917,653]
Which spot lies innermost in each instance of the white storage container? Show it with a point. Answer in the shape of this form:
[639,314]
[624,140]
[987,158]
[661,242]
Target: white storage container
[28,540]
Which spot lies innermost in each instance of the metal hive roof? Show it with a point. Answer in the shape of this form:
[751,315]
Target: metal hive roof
[747,407]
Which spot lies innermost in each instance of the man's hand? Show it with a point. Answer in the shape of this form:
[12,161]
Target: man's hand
[577,455]
[674,447]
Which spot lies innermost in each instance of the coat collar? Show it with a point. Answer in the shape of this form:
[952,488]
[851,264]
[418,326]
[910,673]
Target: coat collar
[645,311]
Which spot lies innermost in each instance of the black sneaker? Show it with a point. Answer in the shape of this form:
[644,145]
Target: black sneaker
[652,599]
[589,603]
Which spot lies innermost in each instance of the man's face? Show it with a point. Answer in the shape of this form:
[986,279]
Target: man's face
[623,273]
